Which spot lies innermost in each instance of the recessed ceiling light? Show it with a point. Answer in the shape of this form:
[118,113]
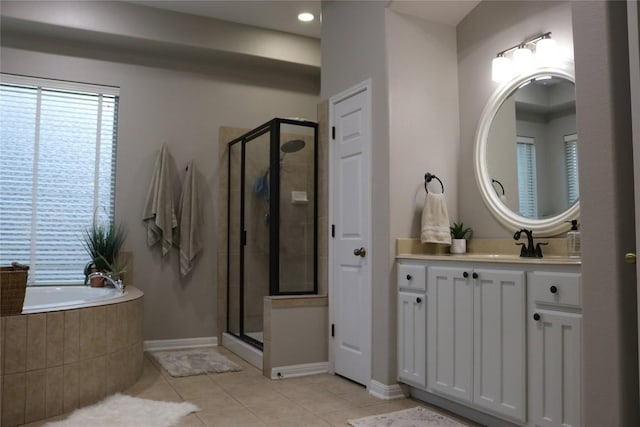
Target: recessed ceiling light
[305,17]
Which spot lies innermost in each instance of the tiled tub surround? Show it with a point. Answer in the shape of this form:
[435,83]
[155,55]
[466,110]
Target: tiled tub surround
[55,362]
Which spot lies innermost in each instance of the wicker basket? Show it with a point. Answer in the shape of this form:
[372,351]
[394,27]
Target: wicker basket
[13,282]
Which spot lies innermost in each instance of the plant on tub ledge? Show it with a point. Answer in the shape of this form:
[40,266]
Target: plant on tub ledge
[459,234]
[103,243]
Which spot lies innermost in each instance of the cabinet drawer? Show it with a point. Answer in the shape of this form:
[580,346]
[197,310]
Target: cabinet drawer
[555,288]
[412,277]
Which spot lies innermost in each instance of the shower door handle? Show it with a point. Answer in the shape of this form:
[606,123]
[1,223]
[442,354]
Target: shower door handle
[362,252]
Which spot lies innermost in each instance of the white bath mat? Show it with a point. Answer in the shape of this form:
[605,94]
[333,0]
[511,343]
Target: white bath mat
[126,411]
[414,417]
[194,361]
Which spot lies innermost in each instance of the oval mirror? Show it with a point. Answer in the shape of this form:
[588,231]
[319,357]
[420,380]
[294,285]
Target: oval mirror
[526,151]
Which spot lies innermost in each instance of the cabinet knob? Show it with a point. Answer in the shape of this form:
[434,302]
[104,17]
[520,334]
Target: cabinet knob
[408,277]
[475,275]
[536,317]
[418,300]
[553,289]
[465,274]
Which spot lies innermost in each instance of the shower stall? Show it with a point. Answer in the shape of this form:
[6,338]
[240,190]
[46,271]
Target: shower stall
[272,220]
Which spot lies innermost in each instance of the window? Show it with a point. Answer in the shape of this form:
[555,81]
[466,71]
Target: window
[527,180]
[571,164]
[57,171]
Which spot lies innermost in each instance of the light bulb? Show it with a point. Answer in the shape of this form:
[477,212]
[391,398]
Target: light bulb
[522,59]
[546,52]
[305,17]
[500,69]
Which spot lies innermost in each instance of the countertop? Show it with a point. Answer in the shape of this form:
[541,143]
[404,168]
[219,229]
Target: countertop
[483,250]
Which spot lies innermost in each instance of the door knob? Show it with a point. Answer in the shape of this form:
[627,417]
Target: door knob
[630,258]
[362,252]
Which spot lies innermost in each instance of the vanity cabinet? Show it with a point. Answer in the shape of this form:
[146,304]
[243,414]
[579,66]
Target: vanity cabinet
[502,338]
[555,339]
[476,337]
[412,318]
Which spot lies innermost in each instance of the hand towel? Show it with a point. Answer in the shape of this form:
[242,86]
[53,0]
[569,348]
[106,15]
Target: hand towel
[159,210]
[190,221]
[435,220]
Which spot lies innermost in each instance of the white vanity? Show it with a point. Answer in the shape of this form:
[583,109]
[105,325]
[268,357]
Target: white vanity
[495,333]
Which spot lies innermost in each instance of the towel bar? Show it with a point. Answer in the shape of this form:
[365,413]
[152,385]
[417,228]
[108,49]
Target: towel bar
[427,179]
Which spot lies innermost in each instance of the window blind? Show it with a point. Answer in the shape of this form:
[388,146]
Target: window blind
[527,178]
[57,172]
[571,165]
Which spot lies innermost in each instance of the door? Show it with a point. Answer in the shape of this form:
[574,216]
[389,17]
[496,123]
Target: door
[350,207]
[500,374]
[555,358]
[634,73]
[450,332]
[412,322]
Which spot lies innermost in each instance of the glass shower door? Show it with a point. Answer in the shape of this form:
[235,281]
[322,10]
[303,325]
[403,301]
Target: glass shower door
[256,240]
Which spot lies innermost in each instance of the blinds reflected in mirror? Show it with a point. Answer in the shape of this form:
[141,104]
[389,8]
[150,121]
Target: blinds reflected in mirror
[571,165]
[527,178]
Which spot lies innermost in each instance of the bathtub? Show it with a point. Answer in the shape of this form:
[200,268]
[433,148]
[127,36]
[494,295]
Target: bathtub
[52,298]
[70,347]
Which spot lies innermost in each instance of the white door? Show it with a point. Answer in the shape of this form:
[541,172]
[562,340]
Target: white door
[412,335]
[350,210]
[500,370]
[450,332]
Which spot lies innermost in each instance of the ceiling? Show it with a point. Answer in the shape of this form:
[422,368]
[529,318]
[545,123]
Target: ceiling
[282,15]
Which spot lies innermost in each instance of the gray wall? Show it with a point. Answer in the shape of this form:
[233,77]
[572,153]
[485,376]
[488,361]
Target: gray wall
[610,349]
[353,50]
[415,130]
[492,27]
[181,101]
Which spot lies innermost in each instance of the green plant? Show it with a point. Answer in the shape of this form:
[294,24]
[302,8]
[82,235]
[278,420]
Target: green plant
[458,231]
[103,243]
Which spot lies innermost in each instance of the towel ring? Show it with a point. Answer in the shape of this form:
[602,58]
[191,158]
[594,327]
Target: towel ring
[495,181]
[427,179]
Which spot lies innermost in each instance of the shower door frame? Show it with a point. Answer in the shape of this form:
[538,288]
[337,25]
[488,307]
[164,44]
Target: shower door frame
[272,126]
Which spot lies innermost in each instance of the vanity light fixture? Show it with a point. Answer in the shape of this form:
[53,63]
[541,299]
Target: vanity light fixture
[305,17]
[523,58]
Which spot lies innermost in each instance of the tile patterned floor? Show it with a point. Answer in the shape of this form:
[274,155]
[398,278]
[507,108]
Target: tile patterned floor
[248,399]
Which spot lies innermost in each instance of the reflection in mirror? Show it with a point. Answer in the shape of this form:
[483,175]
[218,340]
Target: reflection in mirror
[532,148]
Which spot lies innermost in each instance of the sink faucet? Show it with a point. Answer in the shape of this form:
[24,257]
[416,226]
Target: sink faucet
[117,283]
[528,250]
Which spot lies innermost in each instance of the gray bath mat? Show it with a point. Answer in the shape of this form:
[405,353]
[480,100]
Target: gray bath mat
[414,417]
[194,361]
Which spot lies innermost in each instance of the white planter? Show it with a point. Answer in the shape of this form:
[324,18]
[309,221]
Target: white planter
[458,246]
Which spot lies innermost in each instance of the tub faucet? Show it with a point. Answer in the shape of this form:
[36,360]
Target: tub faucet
[117,283]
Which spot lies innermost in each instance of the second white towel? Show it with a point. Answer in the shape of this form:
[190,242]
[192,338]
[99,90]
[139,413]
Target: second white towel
[190,221]
[435,220]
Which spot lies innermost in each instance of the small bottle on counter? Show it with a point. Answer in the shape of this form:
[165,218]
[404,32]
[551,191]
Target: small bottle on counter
[573,240]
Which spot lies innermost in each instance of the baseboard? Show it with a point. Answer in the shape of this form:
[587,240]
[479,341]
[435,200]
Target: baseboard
[153,345]
[242,349]
[386,392]
[299,370]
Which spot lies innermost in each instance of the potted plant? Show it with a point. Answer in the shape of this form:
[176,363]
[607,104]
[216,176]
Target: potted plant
[459,235]
[103,243]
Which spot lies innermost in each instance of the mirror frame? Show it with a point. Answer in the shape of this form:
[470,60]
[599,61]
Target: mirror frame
[546,226]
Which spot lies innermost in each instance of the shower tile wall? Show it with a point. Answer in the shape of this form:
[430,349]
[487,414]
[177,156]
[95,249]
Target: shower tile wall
[296,220]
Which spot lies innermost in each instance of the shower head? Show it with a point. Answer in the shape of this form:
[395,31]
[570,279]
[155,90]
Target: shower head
[292,146]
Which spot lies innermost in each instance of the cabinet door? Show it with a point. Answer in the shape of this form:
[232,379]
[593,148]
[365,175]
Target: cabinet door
[555,358]
[450,332]
[500,342]
[412,346]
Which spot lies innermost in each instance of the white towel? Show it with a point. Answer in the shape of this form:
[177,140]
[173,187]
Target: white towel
[190,221]
[435,220]
[159,209]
